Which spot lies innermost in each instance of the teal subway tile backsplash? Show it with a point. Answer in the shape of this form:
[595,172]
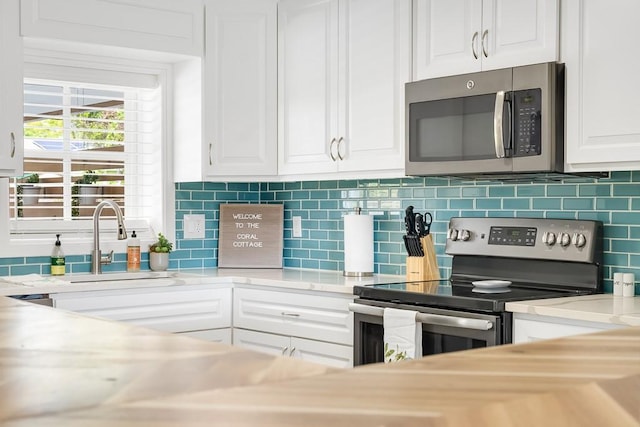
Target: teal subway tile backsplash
[321,205]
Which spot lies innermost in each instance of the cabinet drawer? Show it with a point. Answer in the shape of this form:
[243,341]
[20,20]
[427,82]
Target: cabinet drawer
[541,328]
[166,309]
[313,316]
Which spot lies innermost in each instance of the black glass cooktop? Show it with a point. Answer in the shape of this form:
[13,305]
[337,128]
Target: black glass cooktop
[459,295]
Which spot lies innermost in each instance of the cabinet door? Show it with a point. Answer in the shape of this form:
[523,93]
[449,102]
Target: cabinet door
[375,53]
[447,37]
[155,25]
[276,345]
[11,90]
[307,86]
[519,32]
[336,355]
[329,354]
[463,36]
[240,94]
[600,45]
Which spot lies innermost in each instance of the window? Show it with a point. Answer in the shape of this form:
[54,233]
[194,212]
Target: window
[92,133]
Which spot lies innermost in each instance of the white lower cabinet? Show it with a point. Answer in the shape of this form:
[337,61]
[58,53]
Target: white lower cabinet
[308,325]
[336,355]
[530,328]
[195,310]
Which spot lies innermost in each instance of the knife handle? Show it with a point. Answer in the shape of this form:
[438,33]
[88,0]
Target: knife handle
[420,225]
[410,220]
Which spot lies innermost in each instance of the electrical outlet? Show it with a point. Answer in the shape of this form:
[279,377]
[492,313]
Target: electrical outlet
[194,226]
[297,226]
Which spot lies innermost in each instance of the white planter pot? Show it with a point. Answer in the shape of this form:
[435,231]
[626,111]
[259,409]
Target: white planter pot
[158,261]
[88,196]
[31,195]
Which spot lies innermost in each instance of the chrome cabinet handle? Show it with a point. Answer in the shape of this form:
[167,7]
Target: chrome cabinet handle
[284,350]
[210,147]
[340,156]
[290,314]
[484,37]
[333,141]
[431,319]
[13,145]
[473,44]
[293,350]
[497,125]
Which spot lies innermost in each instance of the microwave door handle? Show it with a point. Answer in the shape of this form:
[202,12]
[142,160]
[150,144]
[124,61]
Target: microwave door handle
[498,125]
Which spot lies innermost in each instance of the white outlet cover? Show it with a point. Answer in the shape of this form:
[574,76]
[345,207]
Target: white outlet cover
[194,226]
[297,226]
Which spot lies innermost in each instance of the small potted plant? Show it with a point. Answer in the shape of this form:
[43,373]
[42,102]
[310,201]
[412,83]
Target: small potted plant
[159,253]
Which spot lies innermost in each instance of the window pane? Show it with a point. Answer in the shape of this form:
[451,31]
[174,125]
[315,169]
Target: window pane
[74,151]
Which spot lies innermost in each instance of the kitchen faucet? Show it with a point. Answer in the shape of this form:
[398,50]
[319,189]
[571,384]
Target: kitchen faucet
[96,255]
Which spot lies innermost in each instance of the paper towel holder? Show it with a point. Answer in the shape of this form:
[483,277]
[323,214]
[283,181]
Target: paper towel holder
[354,272]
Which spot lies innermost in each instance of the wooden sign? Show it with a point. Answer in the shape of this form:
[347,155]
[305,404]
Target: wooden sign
[251,236]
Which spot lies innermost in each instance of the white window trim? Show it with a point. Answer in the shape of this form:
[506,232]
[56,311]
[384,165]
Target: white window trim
[39,64]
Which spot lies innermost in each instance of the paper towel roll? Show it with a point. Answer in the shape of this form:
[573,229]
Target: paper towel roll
[358,245]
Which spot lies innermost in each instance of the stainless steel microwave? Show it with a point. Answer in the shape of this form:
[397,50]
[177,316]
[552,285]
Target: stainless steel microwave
[499,122]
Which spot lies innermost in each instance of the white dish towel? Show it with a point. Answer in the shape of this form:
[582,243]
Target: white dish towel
[402,335]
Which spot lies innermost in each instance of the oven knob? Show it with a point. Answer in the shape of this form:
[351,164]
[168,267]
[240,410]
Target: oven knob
[465,235]
[549,238]
[453,234]
[565,240]
[579,240]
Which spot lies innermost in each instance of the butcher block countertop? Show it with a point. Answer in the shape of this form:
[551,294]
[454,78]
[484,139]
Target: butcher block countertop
[60,368]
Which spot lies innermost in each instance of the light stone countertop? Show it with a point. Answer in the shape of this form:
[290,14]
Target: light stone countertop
[603,308]
[301,279]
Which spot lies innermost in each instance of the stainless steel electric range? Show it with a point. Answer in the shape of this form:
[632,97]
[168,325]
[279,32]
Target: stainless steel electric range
[494,261]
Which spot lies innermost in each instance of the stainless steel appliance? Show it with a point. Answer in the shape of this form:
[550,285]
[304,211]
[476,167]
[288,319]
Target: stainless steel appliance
[501,122]
[521,258]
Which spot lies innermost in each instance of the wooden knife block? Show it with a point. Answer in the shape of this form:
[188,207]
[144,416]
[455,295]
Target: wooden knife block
[423,267]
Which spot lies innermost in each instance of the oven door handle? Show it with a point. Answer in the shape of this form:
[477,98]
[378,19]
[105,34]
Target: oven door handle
[431,319]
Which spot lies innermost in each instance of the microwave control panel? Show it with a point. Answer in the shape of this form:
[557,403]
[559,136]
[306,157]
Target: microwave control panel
[527,137]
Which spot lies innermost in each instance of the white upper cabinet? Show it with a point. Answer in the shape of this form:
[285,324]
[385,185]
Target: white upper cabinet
[154,25]
[240,94]
[225,107]
[11,90]
[462,36]
[342,65]
[600,49]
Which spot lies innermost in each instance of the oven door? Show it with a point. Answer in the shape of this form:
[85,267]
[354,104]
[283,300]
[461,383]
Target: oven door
[443,331]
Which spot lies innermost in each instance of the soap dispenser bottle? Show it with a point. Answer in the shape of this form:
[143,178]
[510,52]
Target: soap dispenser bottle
[133,253]
[57,259]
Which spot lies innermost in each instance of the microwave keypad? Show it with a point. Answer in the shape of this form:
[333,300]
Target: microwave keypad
[527,121]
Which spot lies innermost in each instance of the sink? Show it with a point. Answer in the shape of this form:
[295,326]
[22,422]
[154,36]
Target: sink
[123,276]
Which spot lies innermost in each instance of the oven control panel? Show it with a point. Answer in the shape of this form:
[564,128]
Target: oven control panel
[512,236]
[535,238]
